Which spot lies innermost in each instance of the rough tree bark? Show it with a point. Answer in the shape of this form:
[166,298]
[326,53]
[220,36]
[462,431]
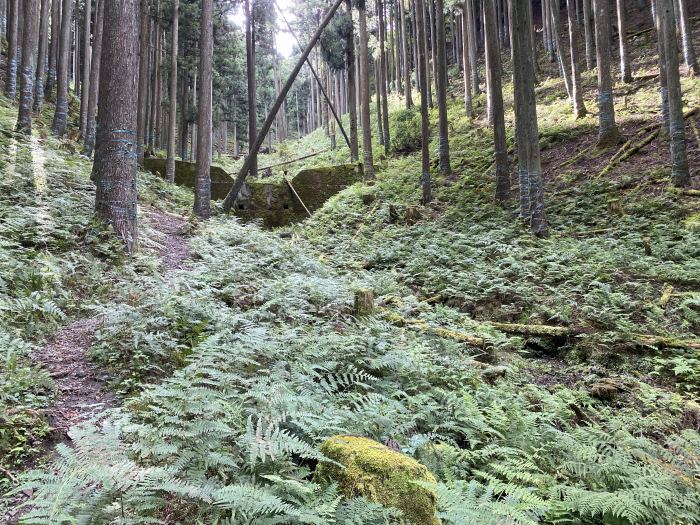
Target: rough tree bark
[422,67]
[364,93]
[625,66]
[114,169]
[466,68]
[30,38]
[608,132]
[561,53]
[85,90]
[441,91]
[90,130]
[250,68]
[352,86]
[202,192]
[680,174]
[576,87]
[172,100]
[12,35]
[588,35]
[385,70]
[60,118]
[41,60]
[53,51]
[144,49]
[494,83]
[686,28]
[408,99]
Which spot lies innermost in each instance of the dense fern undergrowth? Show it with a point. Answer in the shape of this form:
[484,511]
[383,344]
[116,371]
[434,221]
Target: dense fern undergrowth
[235,369]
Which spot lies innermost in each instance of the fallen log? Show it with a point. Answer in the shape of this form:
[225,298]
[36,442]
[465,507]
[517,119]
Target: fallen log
[293,160]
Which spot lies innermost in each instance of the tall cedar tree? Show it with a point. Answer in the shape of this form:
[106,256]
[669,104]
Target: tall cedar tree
[252,87]
[625,65]
[114,169]
[425,123]
[441,91]
[202,193]
[352,85]
[466,65]
[60,118]
[364,92]
[41,60]
[608,132]
[85,88]
[576,87]
[686,28]
[95,65]
[30,37]
[12,34]
[144,47]
[55,44]
[172,101]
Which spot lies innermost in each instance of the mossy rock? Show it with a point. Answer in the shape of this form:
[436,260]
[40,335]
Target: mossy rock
[186,173]
[379,474]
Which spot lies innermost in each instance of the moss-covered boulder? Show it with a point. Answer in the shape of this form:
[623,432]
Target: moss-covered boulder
[186,173]
[380,474]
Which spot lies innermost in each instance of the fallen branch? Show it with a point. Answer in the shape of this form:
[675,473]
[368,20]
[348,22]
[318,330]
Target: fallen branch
[296,195]
[293,160]
[9,475]
[423,326]
[534,329]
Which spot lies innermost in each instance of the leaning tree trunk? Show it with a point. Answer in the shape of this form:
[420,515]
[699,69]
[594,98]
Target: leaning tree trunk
[12,34]
[576,87]
[625,66]
[60,118]
[680,174]
[41,60]
[493,73]
[53,51]
[352,86]
[608,132]
[172,102]
[144,49]
[114,169]
[85,91]
[30,38]
[441,91]
[364,93]
[686,28]
[95,65]
[422,67]
[202,192]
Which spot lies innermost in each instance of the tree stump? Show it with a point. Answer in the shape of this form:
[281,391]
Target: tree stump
[364,303]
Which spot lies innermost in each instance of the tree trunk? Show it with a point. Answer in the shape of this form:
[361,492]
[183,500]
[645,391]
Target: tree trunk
[202,193]
[429,48]
[352,86]
[144,49]
[155,76]
[422,67]
[625,66]
[588,35]
[364,94]
[555,15]
[250,68]
[172,97]
[95,66]
[608,133]
[85,92]
[385,71]
[441,82]
[687,37]
[466,68]
[41,60]
[529,163]
[493,73]
[30,37]
[12,36]
[576,87]
[55,44]
[663,76]
[60,119]
[408,99]
[680,174]
[472,42]
[114,169]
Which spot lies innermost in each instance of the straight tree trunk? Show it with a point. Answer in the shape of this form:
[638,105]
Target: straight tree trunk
[41,60]
[608,132]
[352,86]
[151,134]
[30,37]
[663,76]
[408,99]
[60,118]
[577,88]
[172,97]
[252,105]
[12,38]
[493,73]
[85,91]
[561,54]
[202,193]
[441,81]
[430,47]
[466,68]
[686,28]
[588,35]
[473,45]
[144,49]
[625,66]
[378,92]
[95,66]
[114,169]
[680,174]
[422,67]
[529,162]
[364,93]
[385,71]
[55,44]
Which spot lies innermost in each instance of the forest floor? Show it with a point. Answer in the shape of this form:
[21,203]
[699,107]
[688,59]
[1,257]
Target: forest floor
[540,380]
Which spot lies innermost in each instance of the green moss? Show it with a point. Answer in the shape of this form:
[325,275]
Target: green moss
[185,174]
[376,472]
